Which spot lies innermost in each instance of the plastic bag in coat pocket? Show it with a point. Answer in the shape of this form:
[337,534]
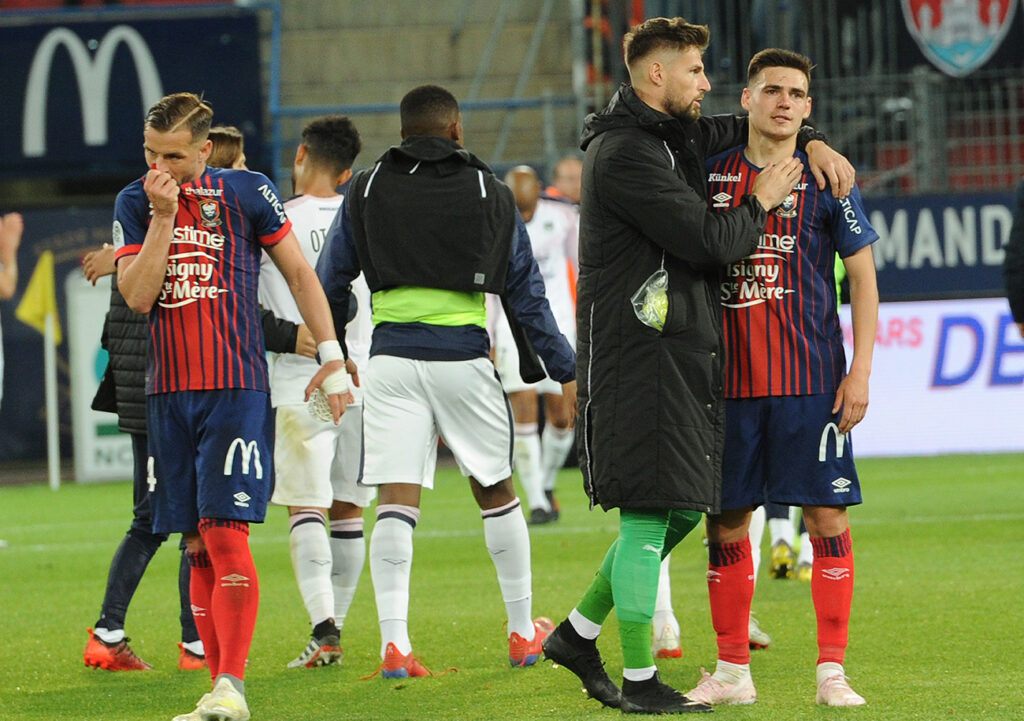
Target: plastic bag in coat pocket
[650,302]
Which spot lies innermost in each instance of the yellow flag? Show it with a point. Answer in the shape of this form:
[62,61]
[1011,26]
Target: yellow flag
[40,298]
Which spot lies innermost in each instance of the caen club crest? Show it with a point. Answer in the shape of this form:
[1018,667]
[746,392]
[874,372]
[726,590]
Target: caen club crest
[209,213]
[958,36]
[787,209]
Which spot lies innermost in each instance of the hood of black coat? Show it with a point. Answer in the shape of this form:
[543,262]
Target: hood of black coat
[446,156]
[626,110]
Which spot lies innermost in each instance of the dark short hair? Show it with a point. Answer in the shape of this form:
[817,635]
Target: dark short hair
[778,58]
[659,33]
[332,142]
[428,110]
[171,112]
[228,143]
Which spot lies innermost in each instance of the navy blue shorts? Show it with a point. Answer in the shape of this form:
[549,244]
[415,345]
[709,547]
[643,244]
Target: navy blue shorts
[212,457]
[786,449]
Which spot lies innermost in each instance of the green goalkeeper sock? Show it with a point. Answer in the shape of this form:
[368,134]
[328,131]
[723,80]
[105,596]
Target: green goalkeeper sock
[635,581]
[597,602]
[680,523]
[636,644]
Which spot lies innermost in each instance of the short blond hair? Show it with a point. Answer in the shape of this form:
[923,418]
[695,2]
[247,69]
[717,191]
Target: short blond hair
[228,145]
[172,112]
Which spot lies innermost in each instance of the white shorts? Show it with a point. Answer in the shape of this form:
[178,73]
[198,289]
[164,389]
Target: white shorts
[316,463]
[410,403]
[506,360]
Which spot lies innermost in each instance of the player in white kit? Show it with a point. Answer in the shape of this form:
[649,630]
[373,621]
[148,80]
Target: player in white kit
[318,463]
[553,229]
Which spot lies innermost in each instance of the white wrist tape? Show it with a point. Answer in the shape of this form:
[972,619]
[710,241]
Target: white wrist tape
[336,382]
[330,350]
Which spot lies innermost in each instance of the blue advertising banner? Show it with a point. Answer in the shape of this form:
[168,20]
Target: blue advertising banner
[75,91]
[69,233]
[940,246]
[931,247]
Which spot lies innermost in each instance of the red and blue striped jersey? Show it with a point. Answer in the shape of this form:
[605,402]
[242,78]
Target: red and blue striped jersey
[782,333]
[205,330]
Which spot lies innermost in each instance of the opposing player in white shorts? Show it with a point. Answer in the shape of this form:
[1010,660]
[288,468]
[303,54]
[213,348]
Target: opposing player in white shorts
[553,229]
[473,419]
[317,463]
[433,231]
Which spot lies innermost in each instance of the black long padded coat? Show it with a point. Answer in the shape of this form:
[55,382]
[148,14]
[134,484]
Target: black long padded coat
[650,401]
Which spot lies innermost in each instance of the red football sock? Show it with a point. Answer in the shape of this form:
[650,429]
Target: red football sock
[832,591]
[236,592]
[731,588]
[200,589]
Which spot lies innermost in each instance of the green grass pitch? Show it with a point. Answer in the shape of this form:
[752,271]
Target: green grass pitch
[936,631]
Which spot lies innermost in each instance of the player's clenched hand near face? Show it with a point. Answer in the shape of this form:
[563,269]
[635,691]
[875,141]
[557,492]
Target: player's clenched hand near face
[162,191]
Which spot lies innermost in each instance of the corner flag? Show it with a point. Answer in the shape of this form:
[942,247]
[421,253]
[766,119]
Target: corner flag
[40,298]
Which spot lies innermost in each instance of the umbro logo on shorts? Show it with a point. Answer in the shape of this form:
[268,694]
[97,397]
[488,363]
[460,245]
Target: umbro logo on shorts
[234,579]
[841,485]
[835,574]
[242,499]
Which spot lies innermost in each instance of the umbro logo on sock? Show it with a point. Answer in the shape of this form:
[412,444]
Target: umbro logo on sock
[713,576]
[198,610]
[234,579]
[835,574]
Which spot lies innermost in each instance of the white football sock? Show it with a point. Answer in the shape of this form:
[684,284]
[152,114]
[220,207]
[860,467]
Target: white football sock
[108,636]
[639,674]
[555,446]
[390,567]
[526,454]
[583,625]
[663,613]
[195,647]
[829,668]
[731,672]
[508,542]
[755,534]
[348,553]
[311,559]
[780,529]
[806,549]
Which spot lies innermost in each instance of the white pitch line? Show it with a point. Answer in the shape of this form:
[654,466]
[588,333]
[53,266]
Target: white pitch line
[262,538]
